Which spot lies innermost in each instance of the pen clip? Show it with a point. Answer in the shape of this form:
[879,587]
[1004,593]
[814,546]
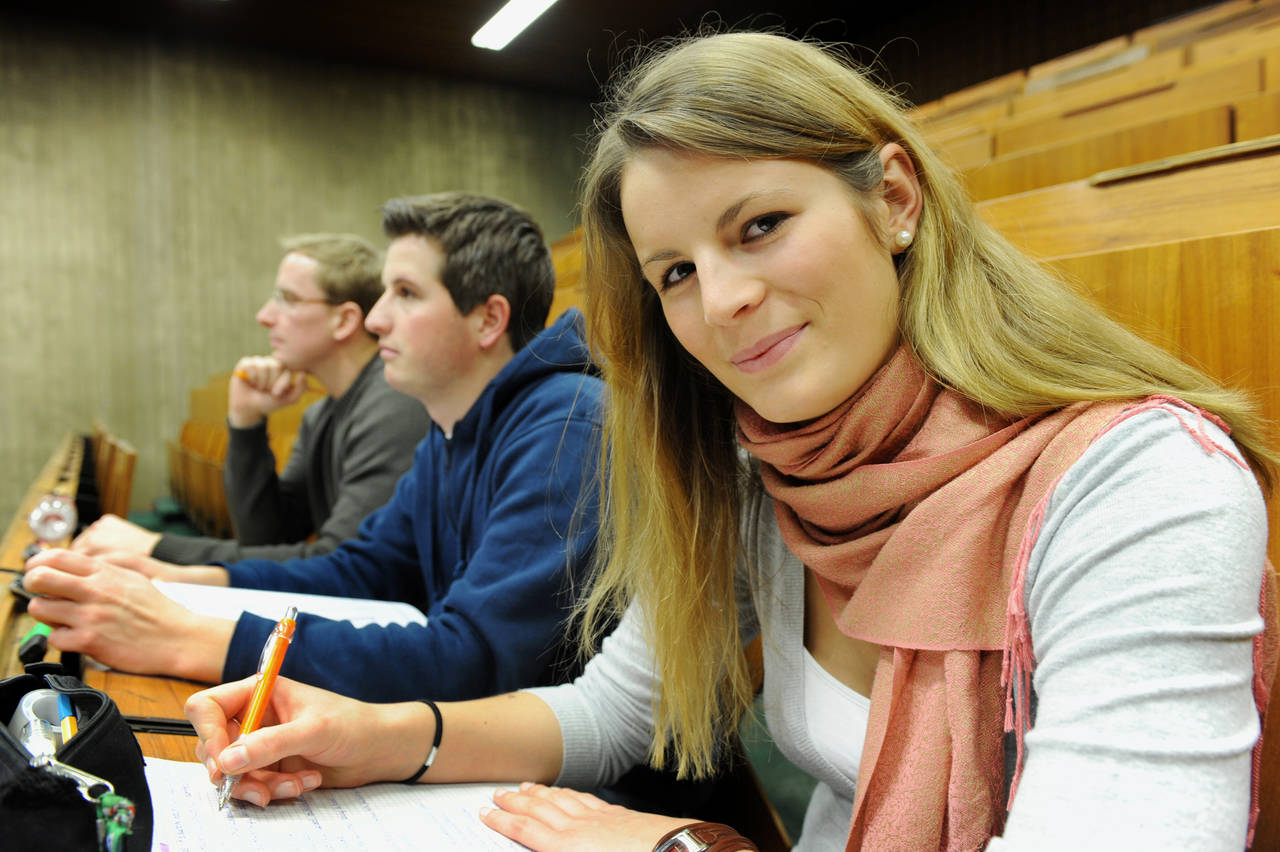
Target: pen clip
[266,655]
[91,787]
[282,632]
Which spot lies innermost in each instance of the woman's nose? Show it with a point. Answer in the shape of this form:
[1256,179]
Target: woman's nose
[727,291]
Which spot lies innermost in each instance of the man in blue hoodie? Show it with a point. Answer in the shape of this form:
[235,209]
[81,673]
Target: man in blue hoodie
[486,533]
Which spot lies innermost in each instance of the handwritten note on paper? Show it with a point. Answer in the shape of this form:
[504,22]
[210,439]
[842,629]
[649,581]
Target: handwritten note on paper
[380,816]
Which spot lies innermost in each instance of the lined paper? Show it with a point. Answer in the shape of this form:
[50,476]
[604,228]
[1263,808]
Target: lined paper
[378,816]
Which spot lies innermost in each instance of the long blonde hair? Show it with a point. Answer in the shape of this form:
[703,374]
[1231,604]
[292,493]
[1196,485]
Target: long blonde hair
[983,319]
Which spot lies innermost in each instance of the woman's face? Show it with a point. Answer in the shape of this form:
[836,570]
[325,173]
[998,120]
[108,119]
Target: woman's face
[768,273]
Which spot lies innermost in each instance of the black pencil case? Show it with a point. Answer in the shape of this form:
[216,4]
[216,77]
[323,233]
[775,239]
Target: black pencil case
[62,804]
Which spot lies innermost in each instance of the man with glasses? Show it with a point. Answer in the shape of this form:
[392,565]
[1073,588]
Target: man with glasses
[351,447]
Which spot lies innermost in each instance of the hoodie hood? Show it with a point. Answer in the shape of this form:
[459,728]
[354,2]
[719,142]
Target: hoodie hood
[559,348]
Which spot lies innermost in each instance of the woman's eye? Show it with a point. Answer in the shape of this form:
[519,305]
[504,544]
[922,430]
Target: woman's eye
[676,274]
[762,225]
[404,293]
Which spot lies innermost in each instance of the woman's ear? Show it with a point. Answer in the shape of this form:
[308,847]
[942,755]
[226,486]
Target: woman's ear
[902,195]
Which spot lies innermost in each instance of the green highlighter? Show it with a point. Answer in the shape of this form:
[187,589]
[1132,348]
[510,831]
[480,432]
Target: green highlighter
[34,645]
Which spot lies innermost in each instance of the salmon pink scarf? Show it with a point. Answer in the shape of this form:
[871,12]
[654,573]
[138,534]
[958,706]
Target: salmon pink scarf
[917,510]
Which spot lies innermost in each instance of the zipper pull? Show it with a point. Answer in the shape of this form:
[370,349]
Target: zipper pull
[91,786]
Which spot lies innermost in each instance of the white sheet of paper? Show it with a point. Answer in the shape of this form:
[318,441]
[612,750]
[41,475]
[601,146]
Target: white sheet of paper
[379,816]
[225,602]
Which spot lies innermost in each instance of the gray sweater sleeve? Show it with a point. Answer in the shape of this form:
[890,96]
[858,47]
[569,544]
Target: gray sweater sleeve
[1143,602]
[606,715]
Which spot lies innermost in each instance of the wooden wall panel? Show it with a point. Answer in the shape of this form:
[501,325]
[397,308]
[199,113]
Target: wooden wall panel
[1080,158]
[1145,73]
[1211,301]
[1136,106]
[966,151]
[1263,36]
[1236,192]
[567,255]
[1258,116]
[1076,59]
[1195,23]
[145,188]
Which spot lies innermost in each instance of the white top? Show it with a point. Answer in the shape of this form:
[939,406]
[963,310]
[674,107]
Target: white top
[1142,596]
[837,718]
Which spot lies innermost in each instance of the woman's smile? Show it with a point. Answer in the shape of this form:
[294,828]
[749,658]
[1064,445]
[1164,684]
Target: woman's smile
[767,351]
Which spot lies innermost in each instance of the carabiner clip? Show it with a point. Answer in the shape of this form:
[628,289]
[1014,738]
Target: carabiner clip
[91,786]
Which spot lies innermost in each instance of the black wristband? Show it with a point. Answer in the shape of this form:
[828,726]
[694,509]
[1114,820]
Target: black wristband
[435,743]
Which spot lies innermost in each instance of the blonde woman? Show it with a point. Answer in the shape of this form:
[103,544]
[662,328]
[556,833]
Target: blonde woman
[1006,559]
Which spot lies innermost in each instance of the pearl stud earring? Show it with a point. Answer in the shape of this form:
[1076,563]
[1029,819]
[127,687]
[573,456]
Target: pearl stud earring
[903,238]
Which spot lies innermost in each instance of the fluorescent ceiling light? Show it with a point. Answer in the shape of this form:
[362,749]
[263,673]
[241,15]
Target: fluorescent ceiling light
[509,22]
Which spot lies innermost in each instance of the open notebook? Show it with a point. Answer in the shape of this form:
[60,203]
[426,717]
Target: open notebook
[226,602]
[379,816]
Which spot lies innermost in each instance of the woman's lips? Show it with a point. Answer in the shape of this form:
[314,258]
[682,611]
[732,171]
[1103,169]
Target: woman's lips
[767,351]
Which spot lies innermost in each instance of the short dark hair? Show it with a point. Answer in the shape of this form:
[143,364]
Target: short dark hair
[490,247]
[350,267]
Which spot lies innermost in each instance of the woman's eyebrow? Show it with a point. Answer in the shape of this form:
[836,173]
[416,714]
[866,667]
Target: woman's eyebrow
[666,254]
[730,213]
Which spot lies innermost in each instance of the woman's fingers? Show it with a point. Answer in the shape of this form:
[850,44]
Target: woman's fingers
[543,817]
[523,829]
[211,712]
[263,787]
[555,807]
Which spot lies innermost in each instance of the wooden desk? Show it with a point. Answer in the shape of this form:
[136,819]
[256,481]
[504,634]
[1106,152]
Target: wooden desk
[136,695]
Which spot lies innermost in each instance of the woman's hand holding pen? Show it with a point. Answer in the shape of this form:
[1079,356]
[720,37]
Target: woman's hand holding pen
[118,617]
[309,738]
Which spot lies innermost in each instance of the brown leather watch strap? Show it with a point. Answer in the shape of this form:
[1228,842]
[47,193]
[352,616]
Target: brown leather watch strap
[716,836]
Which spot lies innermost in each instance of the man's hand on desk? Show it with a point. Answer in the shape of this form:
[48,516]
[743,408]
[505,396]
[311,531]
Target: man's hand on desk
[116,616]
[113,534]
[155,569]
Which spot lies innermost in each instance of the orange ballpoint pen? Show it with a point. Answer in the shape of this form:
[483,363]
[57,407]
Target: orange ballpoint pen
[268,668]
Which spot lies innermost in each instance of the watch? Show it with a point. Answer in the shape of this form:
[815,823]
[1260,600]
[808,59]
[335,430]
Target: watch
[704,837]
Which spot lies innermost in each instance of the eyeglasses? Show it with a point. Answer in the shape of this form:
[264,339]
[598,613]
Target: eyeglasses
[288,299]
